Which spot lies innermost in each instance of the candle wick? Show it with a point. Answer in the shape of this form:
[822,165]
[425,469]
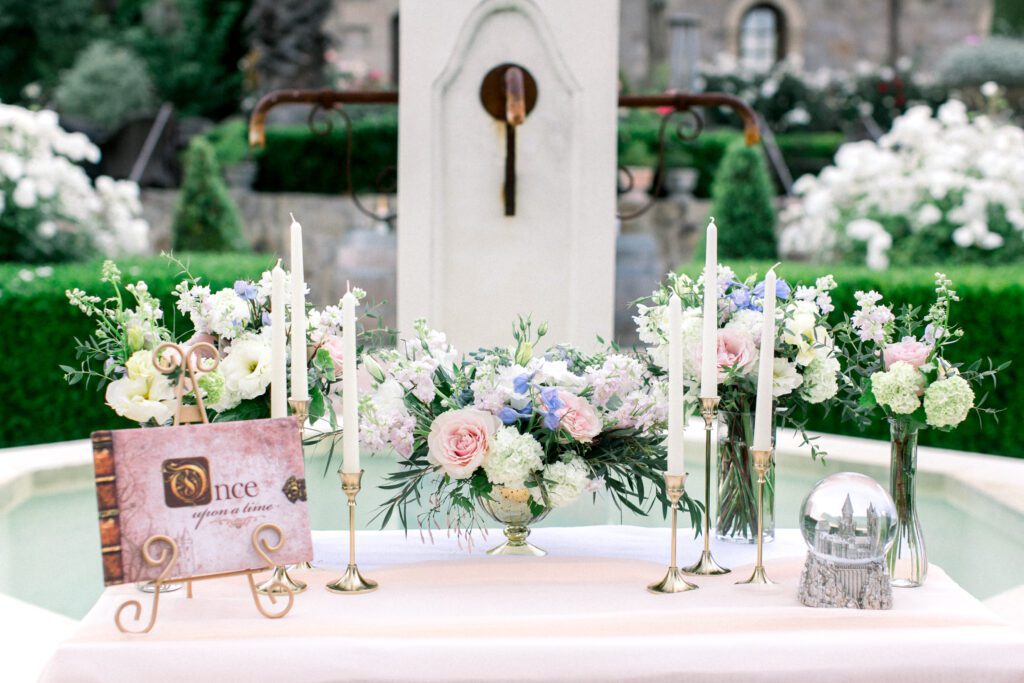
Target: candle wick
[348,286]
[293,217]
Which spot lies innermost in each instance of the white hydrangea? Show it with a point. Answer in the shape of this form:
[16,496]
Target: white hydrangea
[821,380]
[564,481]
[898,388]
[512,458]
[925,161]
[948,401]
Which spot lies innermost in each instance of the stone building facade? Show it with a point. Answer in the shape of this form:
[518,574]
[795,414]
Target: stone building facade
[815,33]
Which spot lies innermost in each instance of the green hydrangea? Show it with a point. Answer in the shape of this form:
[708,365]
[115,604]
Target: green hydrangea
[947,402]
[212,385]
[898,388]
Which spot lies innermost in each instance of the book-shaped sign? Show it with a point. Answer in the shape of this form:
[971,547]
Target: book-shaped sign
[207,487]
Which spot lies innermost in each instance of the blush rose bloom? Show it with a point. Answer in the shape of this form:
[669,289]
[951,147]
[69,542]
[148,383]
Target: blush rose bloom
[578,417]
[909,351]
[735,350]
[460,440]
[334,346]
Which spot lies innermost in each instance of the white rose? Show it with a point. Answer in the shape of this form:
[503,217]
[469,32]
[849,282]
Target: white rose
[246,369]
[142,400]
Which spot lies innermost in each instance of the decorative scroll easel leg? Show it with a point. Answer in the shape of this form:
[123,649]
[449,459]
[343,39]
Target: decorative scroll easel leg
[275,587]
[168,556]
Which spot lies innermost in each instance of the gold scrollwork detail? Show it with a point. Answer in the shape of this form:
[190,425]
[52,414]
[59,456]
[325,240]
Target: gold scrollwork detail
[166,559]
[264,548]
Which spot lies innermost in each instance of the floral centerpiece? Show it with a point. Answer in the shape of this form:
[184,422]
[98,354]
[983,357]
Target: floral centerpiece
[898,368]
[511,432]
[806,373]
[130,325]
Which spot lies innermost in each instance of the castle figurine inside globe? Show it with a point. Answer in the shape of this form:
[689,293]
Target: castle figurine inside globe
[848,522]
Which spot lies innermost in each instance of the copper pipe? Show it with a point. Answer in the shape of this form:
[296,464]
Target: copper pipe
[515,96]
[324,98]
[685,101]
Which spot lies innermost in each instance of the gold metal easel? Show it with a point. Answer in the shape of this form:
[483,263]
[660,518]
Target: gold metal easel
[183,367]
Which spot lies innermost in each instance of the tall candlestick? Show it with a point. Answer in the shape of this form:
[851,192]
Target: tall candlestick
[676,465]
[349,386]
[278,362]
[765,371]
[300,391]
[709,336]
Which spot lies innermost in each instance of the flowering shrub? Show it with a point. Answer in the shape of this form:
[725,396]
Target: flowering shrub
[559,425]
[947,187]
[791,99]
[806,368]
[130,326]
[897,363]
[49,210]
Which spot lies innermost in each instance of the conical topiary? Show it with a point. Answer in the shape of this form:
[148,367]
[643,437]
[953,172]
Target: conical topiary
[742,204]
[206,218]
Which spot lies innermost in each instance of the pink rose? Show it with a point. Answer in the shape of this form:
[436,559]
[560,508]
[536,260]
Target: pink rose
[578,417]
[333,344]
[735,350]
[907,351]
[459,440]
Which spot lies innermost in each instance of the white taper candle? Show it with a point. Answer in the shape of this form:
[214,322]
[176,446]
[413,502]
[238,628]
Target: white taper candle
[676,417]
[349,386]
[765,371]
[709,336]
[300,391]
[278,359]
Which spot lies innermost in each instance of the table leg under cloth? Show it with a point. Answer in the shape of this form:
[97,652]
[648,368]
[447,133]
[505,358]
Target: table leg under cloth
[580,614]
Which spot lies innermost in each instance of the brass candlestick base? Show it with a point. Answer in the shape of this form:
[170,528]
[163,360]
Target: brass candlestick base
[762,461]
[673,581]
[280,582]
[352,582]
[706,565]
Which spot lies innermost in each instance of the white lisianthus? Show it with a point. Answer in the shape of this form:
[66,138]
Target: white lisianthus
[513,457]
[564,481]
[140,366]
[143,399]
[556,373]
[785,378]
[246,369]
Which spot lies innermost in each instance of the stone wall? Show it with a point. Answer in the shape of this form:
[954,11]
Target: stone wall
[342,244]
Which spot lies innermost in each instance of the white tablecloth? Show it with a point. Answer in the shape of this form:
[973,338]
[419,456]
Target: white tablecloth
[580,614]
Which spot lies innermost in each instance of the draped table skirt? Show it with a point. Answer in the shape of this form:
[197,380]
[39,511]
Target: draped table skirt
[445,613]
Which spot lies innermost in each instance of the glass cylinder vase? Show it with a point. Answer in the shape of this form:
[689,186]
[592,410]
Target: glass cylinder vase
[737,481]
[907,559]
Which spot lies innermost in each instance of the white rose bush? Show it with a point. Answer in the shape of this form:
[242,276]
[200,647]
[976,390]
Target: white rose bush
[130,325]
[49,209]
[807,370]
[943,188]
[506,421]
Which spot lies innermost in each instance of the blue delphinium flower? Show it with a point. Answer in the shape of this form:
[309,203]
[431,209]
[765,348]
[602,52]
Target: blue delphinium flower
[265,319]
[521,384]
[509,415]
[245,289]
[741,298]
[552,404]
[782,289]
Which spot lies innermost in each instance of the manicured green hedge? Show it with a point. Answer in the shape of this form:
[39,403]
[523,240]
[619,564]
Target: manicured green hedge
[39,327]
[990,310]
[297,160]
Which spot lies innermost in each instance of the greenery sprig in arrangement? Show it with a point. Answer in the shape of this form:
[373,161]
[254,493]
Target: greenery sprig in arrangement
[558,425]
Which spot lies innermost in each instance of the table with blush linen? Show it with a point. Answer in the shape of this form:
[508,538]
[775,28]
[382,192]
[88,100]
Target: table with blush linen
[445,612]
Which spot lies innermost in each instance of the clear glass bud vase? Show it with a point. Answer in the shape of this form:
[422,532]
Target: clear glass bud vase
[907,560]
[737,481]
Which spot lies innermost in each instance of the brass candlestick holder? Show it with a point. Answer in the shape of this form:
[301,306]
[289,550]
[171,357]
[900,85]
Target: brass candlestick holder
[706,565]
[674,581]
[352,581]
[762,461]
[280,582]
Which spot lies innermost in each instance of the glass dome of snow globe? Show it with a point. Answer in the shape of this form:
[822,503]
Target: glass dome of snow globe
[848,518]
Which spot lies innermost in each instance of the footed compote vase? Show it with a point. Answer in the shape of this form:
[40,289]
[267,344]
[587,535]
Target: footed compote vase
[511,507]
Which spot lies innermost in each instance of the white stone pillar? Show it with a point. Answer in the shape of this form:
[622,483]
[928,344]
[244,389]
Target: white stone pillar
[462,263]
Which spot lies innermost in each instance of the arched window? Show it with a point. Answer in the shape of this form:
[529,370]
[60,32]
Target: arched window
[762,37]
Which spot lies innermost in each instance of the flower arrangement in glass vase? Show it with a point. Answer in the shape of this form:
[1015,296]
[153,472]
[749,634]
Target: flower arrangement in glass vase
[130,325]
[511,432]
[806,373]
[897,365]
